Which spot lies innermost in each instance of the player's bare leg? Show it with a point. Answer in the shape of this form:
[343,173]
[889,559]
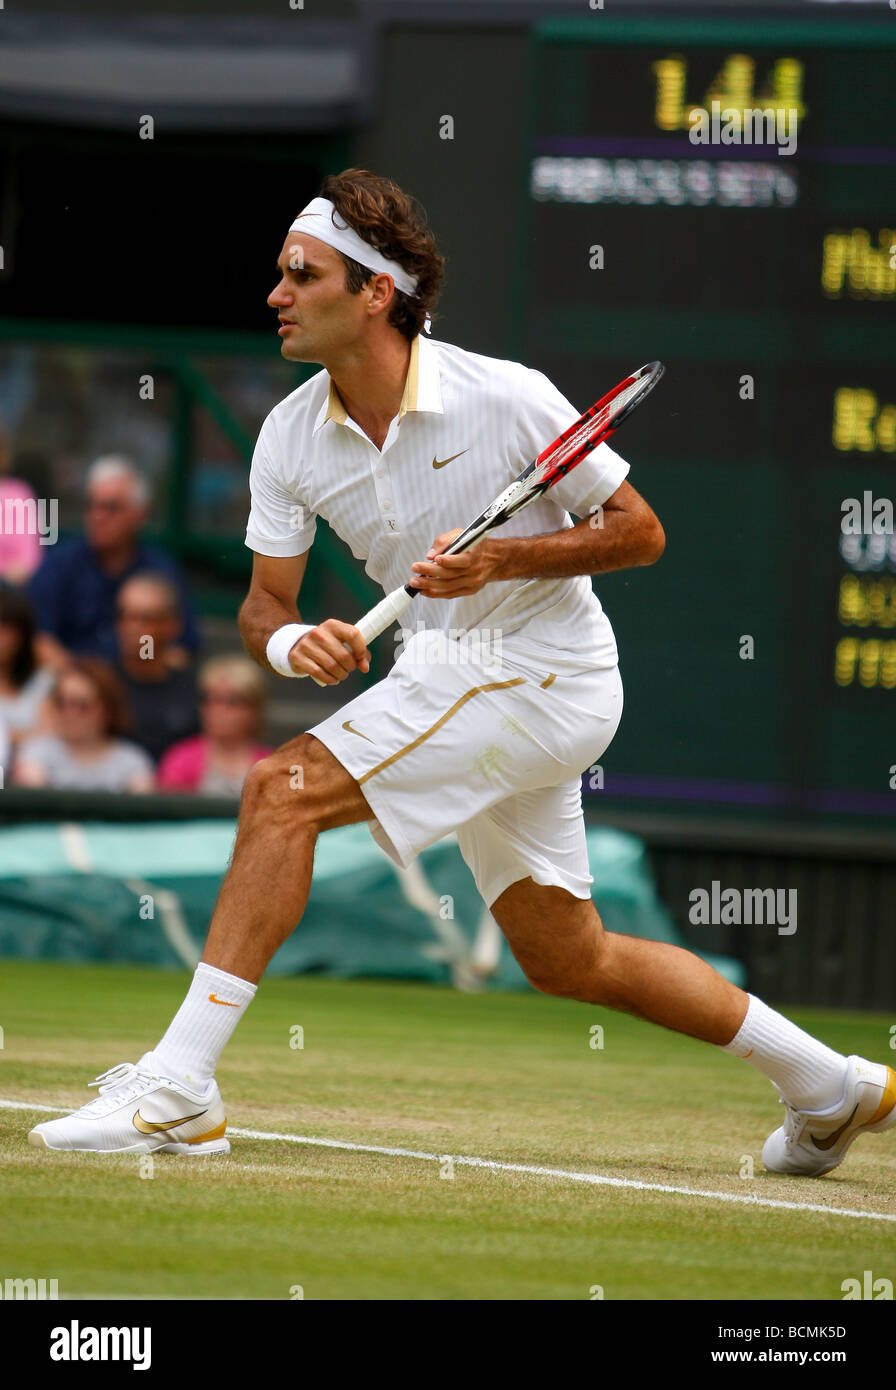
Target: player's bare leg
[829,1099]
[562,947]
[288,799]
[169,1100]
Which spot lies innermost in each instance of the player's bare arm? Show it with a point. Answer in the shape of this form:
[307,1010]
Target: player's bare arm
[272,602]
[626,532]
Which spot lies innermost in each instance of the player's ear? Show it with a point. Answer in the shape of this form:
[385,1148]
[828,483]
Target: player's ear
[380,289]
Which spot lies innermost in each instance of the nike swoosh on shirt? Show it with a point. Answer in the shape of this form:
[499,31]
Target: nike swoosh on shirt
[150,1127]
[440,463]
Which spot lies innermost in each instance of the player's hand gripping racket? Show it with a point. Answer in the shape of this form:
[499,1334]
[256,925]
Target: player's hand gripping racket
[552,464]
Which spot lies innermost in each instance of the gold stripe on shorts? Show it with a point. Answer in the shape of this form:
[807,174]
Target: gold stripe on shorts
[421,738]
[550,681]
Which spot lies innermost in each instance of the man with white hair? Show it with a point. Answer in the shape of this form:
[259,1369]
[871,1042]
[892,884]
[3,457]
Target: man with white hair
[75,590]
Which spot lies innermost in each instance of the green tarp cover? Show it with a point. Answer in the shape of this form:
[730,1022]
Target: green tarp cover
[144,893]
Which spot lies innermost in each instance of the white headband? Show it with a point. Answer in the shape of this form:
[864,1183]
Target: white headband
[316,220]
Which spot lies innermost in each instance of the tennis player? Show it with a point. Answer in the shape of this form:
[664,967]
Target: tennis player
[399,439]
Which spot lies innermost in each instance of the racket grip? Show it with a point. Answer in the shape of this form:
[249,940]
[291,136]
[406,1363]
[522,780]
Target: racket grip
[384,614]
[379,618]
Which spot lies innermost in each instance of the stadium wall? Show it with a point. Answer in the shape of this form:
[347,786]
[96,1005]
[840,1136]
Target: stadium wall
[842,953]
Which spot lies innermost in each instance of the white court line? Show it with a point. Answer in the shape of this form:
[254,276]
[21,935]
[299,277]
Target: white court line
[531,1170]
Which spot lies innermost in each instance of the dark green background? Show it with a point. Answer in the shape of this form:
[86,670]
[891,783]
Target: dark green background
[749,492]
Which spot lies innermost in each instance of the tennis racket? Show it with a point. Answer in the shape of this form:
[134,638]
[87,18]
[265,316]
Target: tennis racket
[552,464]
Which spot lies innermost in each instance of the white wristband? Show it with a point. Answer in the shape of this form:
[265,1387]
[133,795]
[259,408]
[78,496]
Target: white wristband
[281,643]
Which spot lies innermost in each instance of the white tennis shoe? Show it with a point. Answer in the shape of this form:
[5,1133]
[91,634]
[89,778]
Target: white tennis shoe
[812,1142]
[139,1111]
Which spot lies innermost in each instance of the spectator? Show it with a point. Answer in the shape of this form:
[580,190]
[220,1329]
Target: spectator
[87,752]
[231,706]
[24,686]
[20,549]
[76,588]
[161,694]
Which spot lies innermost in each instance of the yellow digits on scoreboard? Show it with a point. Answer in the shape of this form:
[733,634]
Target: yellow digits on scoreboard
[733,87]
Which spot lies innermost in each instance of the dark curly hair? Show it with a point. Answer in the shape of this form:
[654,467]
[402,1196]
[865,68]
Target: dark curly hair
[16,611]
[395,224]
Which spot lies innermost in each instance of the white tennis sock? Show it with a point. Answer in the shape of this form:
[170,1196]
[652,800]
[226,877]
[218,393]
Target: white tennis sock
[807,1073]
[203,1025]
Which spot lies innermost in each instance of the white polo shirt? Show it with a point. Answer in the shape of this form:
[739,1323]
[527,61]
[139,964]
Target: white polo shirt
[466,426]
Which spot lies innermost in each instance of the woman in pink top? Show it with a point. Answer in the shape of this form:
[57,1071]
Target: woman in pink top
[231,708]
[20,549]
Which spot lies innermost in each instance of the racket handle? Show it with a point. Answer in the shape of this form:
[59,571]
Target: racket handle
[384,614]
[379,618]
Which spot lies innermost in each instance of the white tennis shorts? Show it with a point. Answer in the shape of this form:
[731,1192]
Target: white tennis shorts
[454,740]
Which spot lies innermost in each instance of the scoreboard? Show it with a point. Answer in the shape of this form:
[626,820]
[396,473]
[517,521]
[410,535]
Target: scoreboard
[721,194]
